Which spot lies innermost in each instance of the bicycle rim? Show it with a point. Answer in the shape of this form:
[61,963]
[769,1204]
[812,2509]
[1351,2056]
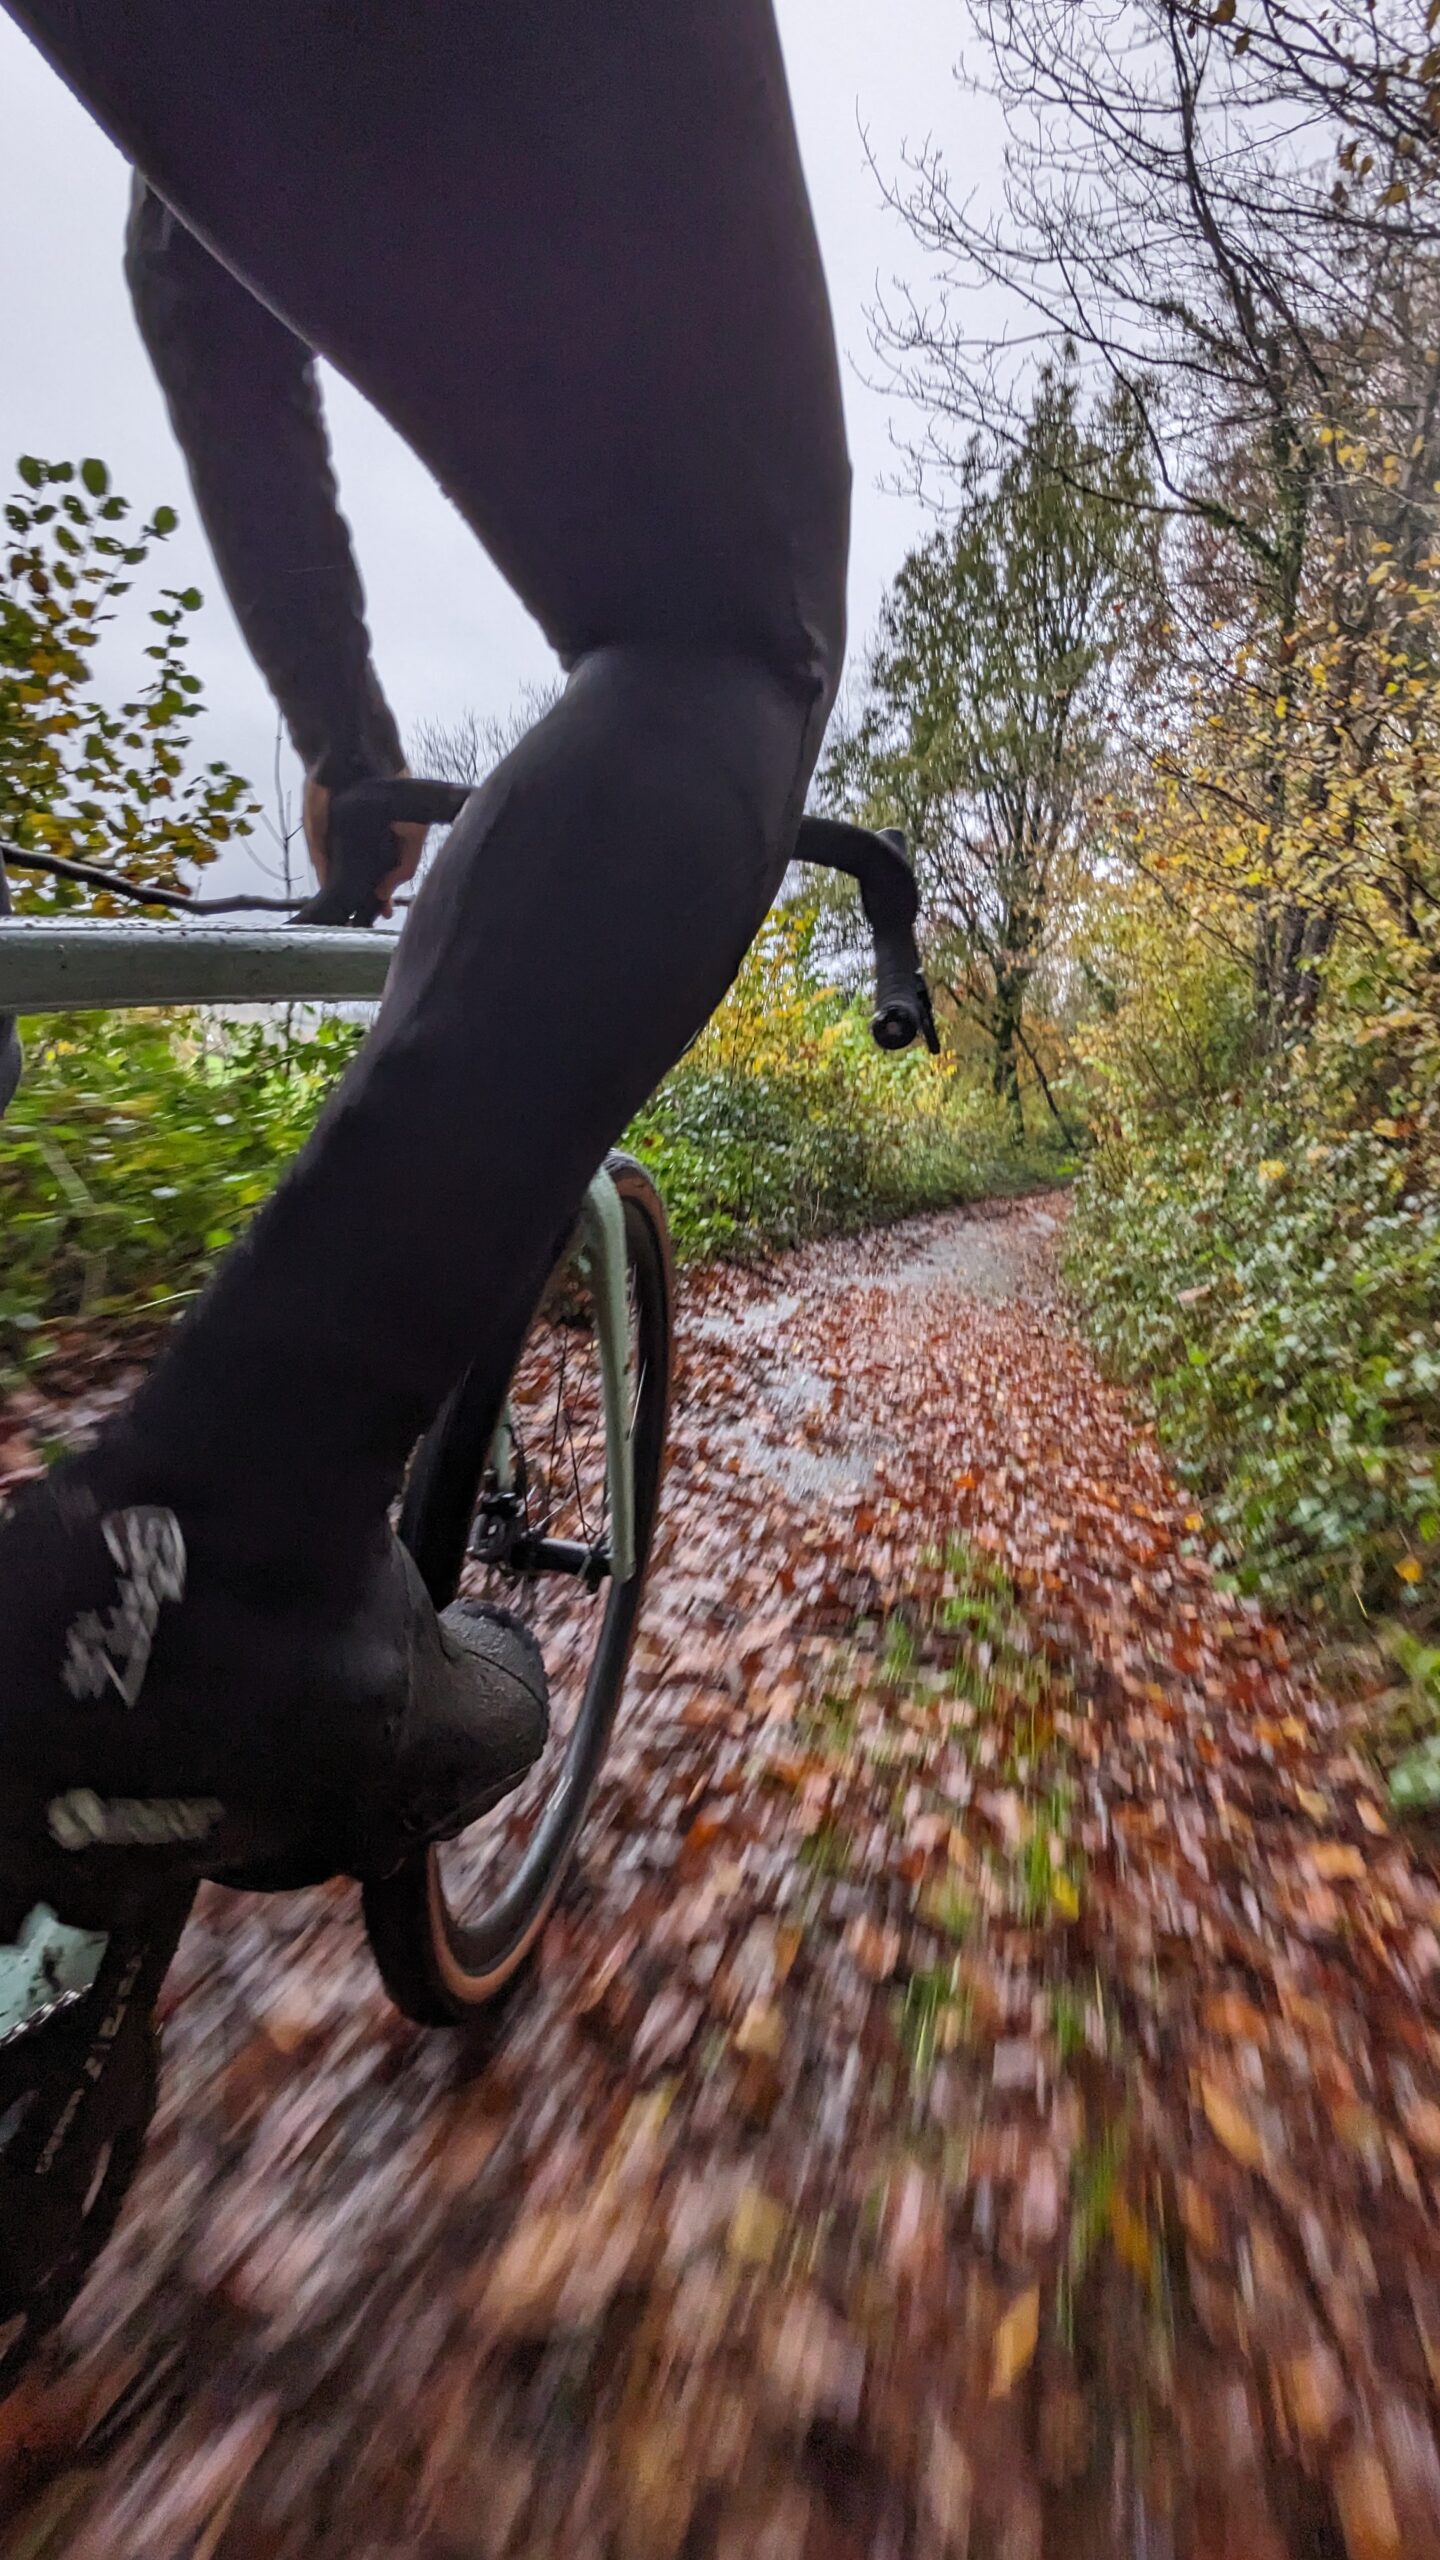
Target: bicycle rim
[453,1927]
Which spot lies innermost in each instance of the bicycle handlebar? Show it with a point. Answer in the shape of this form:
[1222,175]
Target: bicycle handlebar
[876,858]
[362,853]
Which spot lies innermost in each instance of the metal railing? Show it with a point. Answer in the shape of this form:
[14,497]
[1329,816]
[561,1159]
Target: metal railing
[80,965]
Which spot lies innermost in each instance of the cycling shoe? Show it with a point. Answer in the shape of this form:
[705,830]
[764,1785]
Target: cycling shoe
[167,1713]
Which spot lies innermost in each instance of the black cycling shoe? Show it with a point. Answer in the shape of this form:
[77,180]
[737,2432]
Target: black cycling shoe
[167,1712]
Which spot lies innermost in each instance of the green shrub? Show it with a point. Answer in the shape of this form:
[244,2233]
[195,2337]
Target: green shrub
[749,1163]
[1277,1295]
[137,1147]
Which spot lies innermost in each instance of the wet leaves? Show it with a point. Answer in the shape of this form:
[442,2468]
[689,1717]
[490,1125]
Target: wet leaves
[979,2095]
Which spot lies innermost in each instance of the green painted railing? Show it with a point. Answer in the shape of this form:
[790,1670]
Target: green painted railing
[85,966]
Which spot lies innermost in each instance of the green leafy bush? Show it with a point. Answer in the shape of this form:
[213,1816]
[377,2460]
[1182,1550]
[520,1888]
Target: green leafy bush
[1277,1295]
[137,1147]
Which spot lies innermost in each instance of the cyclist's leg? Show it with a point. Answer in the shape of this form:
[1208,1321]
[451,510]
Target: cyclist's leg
[591,907]
[589,294]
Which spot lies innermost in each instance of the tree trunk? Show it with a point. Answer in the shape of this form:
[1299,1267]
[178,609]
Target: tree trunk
[1005,1071]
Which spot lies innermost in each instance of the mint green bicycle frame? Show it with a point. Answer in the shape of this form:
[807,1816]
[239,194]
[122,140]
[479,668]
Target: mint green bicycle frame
[86,966]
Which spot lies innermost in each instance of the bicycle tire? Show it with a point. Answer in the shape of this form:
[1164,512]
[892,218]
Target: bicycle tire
[76,2098]
[441,1967]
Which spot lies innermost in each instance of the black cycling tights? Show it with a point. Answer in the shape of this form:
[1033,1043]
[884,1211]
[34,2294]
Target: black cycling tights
[565,247]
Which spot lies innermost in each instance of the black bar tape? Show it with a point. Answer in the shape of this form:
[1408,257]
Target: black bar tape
[361,848]
[897,1018]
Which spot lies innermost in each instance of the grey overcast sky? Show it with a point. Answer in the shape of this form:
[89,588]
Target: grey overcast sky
[448,633]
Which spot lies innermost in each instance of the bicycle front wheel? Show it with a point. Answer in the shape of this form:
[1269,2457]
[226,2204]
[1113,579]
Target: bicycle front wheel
[514,1521]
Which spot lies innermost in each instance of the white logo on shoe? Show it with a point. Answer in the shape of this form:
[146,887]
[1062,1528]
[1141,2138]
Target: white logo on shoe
[114,1651]
[81,1821]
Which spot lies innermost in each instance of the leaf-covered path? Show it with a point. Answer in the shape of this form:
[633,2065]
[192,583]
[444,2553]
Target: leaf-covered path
[981,2095]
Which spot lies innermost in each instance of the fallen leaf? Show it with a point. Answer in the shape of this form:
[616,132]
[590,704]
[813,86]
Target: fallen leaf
[1199,2217]
[1015,2341]
[1039,2214]
[1334,1860]
[761,2030]
[1015,2063]
[757,2227]
[875,1950]
[1134,2242]
[947,2492]
[1366,2508]
[1230,2125]
[1225,2013]
[1313,2389]
[1421,2119]
[1064,1896]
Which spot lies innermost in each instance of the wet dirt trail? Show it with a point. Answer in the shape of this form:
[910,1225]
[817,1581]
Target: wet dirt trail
[980,2095]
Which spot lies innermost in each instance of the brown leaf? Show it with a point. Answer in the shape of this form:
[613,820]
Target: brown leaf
[1366,2508]
[560,2268]
[661,2486]
[707,1708]
[1006,1810]
[1197,2213]
[1313,2388]
[1224,2013]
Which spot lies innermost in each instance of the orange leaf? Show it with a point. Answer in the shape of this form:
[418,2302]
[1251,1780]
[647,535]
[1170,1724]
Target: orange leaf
[1015,2342]
[1337,1861]
[1367,2510]
[1230,2125]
